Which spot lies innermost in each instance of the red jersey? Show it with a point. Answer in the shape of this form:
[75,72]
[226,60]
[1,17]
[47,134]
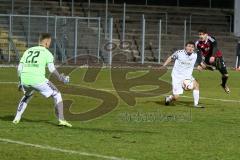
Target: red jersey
[208,48]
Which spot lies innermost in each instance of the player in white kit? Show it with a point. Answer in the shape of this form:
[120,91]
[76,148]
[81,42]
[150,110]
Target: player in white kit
[182,78]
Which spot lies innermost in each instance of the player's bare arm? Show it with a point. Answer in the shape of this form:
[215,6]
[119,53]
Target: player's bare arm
[169,59]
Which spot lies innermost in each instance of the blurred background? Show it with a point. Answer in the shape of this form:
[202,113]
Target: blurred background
[145,31]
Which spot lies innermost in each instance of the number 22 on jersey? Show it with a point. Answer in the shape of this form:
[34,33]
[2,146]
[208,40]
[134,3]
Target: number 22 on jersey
[32,55]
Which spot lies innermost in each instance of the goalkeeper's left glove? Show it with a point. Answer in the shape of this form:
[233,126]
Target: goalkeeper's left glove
[20,86]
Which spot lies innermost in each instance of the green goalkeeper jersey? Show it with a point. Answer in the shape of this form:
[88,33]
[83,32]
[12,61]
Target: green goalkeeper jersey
[34,61]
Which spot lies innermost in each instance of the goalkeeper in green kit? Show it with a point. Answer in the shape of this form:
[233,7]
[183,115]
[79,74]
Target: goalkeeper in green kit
[31,72]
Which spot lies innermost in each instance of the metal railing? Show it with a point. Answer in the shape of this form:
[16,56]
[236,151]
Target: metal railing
[182,3]
[12,47]
[51,24]
[38,23]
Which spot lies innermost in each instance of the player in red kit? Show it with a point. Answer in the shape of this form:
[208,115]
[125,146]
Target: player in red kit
[211,56]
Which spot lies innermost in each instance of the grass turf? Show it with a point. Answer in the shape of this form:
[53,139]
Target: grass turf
[148,130]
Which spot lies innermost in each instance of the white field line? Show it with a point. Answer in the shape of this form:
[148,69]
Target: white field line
[8,82]
[61,150]
[112,90]
[215,99]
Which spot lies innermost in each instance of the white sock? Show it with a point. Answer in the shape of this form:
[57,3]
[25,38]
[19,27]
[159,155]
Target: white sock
[196,96]
[21,108]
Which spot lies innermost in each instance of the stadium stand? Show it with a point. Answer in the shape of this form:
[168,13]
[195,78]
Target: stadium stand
[217,20]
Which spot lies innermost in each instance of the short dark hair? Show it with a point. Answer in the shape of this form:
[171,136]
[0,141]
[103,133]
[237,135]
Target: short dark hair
[43,36]
[190,42]
[203,30]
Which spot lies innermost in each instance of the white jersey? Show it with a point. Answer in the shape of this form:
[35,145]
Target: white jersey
[184,64]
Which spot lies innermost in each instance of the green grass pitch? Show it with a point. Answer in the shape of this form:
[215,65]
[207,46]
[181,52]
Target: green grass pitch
[147,131]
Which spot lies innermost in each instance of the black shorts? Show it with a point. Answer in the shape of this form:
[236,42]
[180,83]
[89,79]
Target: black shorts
[219,64]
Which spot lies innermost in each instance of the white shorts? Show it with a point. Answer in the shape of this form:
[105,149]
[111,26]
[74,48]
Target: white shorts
[47,89]
[177,84]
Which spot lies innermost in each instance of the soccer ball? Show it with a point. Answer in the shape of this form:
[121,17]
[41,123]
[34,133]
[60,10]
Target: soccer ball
[187,84]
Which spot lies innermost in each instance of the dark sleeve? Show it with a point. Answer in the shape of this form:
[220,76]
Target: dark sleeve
[238,50]
[199,58]
[215,47]
[199,54]
[174,56]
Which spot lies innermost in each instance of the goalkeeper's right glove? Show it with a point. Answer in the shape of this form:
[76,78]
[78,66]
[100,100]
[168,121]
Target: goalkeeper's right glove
[64,79]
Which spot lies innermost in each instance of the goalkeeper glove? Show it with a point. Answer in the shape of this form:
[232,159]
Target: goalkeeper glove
[20,86]
[64,79]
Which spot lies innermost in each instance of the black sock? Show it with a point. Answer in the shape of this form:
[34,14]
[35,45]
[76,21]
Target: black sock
[224,80]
